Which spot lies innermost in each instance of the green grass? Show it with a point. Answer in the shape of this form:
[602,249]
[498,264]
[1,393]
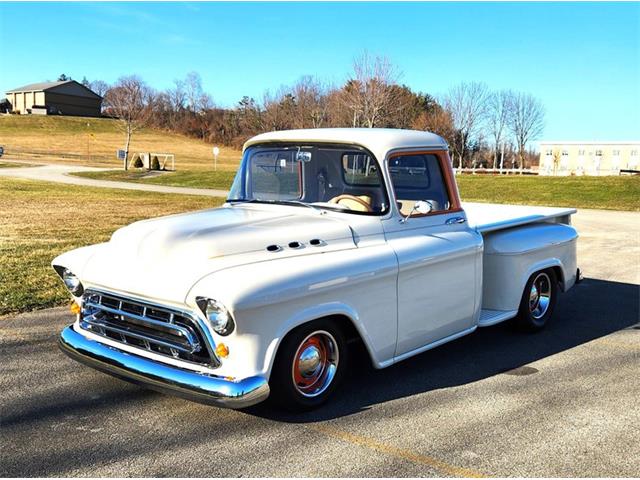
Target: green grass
[221,179]
[609,193]
[40,220]
[15,165]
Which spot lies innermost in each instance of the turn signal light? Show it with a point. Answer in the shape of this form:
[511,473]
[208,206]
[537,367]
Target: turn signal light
[75,308]
[222,350]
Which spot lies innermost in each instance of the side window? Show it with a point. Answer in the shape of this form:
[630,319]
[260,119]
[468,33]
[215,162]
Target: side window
[418,177]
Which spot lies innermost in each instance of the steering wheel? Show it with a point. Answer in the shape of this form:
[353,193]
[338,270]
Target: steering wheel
[359,201]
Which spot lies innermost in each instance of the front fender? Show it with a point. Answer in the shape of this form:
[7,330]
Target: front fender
[269,299]
[76,260]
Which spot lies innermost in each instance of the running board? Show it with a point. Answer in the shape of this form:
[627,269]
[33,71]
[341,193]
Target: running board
[491,317]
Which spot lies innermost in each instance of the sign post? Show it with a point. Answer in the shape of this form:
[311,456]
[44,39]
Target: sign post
[216,152]
[121,156]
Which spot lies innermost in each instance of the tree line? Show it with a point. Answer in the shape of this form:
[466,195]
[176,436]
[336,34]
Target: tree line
[484,128]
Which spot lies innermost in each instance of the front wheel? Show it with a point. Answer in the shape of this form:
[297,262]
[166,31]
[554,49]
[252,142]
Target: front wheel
[309,365]
[538,301]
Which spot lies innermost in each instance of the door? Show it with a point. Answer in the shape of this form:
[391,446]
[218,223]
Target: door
[439,256]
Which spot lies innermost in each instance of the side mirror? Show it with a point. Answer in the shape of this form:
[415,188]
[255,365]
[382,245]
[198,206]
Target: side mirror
[421,206]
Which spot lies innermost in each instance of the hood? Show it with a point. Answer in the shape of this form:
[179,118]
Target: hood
[164,257]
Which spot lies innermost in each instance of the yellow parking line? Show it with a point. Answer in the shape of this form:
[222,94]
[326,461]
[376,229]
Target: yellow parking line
[397,452]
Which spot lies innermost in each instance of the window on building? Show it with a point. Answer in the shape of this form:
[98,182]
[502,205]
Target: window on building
[598,153]
[581,153]
[634,153]
[616,153]
[549,153]
[565,153]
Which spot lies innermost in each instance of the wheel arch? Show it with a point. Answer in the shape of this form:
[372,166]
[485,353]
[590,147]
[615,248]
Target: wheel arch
[554,264]
[346,318]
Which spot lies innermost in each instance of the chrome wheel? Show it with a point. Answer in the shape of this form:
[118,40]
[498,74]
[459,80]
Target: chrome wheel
[315,363]
[540,295]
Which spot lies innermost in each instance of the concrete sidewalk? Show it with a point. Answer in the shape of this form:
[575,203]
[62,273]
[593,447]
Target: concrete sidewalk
[60,174]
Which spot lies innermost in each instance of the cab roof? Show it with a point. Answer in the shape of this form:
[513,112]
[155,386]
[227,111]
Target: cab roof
[379,141]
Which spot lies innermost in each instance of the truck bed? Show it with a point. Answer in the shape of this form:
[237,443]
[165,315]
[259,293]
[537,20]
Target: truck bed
[488,217]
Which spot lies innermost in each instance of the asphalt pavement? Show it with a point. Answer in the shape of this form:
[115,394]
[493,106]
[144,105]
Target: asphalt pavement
[561,403]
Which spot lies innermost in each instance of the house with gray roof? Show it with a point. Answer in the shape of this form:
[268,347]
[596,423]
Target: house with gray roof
[55,98]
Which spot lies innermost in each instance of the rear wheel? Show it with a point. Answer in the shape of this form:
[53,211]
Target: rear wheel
[309,365]
[538,301]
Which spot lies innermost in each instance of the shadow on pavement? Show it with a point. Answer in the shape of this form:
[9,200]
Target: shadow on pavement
[136,423]
[591,310]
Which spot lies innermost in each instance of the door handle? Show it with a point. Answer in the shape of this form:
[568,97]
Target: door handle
[454,220]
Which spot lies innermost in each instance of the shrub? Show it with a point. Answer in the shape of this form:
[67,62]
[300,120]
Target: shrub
[137,163]
[155,164]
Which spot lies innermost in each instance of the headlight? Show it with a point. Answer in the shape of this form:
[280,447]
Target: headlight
[71,281]
[217,315]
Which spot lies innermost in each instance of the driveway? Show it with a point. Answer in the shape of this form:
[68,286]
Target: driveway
[60,174]
[561,403]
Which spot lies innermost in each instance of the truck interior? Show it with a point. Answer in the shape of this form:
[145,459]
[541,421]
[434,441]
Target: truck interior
[346,178]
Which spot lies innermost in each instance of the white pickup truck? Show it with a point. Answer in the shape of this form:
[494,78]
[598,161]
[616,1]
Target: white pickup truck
[328,236]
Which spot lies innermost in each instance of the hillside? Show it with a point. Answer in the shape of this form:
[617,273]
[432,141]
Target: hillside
[94,141]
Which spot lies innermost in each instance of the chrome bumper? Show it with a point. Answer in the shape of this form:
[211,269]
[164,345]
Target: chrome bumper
[165,378]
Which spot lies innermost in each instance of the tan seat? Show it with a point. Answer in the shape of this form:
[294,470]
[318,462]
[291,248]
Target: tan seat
[352,204]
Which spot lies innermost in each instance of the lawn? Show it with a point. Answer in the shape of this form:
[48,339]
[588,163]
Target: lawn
[94,142]
[609,193]
[612,193]
[14,164]
[39,220]
[220,179]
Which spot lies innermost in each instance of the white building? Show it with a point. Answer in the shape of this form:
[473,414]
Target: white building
[588,158]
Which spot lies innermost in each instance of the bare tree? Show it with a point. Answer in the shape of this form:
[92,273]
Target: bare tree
[437,120]
[177,95]
[367,94]
[310,103]
[525,120]
[99,87]
[466,102]
[130,101]
[278,109]
[193,90]
[497,116]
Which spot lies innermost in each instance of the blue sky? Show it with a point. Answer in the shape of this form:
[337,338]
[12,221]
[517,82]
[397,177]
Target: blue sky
[581,59]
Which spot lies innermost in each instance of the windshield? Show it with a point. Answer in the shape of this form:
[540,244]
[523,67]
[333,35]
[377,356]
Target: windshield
[339,178]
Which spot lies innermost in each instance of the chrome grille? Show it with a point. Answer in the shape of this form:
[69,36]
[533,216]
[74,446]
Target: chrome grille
[155,328]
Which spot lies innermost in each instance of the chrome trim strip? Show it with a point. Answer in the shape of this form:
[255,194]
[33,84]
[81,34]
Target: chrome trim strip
[209,389]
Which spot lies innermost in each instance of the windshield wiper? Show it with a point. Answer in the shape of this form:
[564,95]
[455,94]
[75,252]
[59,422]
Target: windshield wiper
[298,202]
[235,201]
[315,208]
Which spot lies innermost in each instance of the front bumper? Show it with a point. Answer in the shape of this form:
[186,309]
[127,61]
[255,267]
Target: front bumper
[191,385]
